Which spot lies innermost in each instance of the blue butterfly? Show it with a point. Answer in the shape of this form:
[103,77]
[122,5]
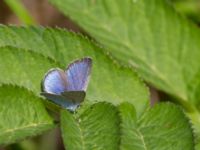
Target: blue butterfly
[68,88]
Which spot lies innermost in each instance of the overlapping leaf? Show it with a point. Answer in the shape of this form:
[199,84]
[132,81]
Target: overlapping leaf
[39,49]
[96,128]
[164,127]
[23,68]
[100,127]
[149,35]
[22,115]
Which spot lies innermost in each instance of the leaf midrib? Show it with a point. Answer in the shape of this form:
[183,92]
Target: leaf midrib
[81,136]
[11,130]
[142,139]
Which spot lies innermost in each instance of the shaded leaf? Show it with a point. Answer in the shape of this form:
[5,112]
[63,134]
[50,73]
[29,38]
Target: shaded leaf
[163,127]
[101,126]
[36,50]
[96,128]
[149,35]
[22,115]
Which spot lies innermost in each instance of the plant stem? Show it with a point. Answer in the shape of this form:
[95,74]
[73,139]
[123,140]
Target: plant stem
[20,11]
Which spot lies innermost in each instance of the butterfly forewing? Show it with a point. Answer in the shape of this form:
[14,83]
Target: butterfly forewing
[78,74]
[54,81]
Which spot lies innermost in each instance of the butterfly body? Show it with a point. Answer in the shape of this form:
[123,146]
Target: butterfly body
[67,88]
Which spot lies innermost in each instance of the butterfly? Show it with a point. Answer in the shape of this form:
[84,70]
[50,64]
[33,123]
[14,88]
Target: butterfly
[68,88]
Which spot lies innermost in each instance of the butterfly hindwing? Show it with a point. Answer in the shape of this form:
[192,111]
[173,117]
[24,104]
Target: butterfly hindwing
[78,74]
[75,96]
[61,100]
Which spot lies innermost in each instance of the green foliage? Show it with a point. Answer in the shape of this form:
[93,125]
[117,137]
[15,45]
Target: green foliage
[149,35]
[96,128]
[189,8]
[23,68]
[134,35]
[36,50]
[22,115]
[163,127]
[27,53]
[101,126]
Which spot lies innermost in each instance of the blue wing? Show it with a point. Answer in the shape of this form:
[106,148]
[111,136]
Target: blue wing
[78,74]
[67,89]
[65,100]
[75,96]
[54,82]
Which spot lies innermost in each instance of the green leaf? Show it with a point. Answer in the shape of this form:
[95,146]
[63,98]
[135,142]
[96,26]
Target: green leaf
[96,128]
[163,127]
[149,35]
[152,37]
[23,68]
[22,115]
[101,126]
[35,50]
